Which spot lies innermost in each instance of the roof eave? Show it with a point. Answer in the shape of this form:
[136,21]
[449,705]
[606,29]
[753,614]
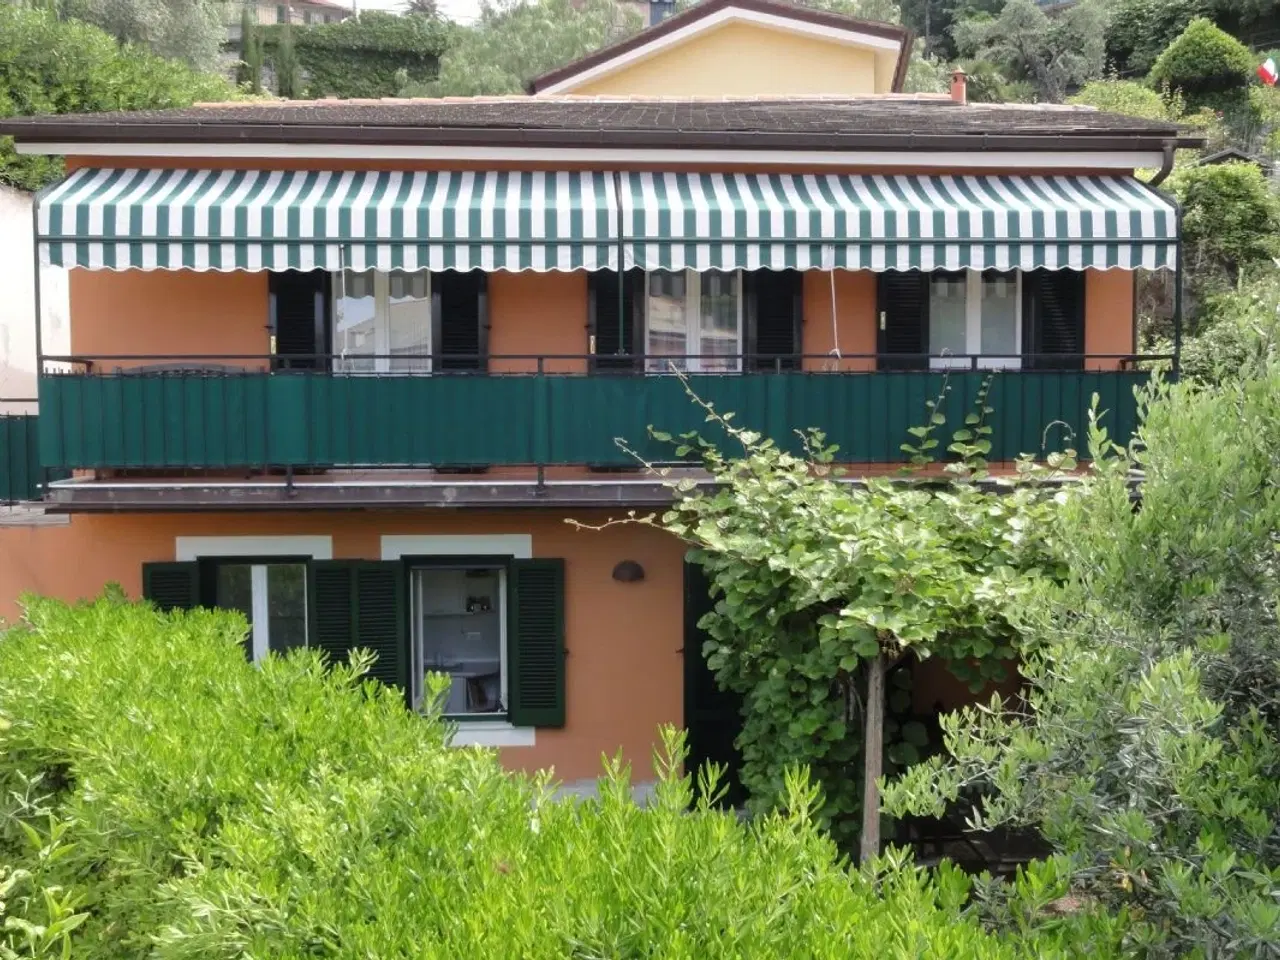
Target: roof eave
[49,130]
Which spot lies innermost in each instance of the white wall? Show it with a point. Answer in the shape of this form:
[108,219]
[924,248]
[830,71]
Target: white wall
[17,303]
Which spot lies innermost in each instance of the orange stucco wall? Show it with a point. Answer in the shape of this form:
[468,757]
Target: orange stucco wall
[163,312]
[624,671]
[538,314]
[853,335]
[1108,316]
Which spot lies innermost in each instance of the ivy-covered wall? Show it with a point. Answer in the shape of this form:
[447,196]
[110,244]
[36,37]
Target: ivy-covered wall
[363,56]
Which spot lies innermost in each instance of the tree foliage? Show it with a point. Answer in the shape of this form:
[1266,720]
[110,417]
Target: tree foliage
[1054,54]
[53,66]
[517,40]
[818,582]
[1140,30]
[1238,333]
[1147,749]
[188,30]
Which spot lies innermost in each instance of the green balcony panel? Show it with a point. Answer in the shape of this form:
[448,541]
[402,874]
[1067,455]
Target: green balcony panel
[19,458]
[307,419]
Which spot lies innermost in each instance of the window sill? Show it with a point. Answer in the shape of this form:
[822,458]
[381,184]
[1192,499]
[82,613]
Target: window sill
[491,733]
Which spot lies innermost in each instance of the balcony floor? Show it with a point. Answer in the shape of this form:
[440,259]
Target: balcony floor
[500,488]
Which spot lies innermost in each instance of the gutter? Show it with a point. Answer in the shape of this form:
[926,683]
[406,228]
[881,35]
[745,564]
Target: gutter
[52,131]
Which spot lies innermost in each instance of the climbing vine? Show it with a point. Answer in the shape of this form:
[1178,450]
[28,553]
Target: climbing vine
[821,586]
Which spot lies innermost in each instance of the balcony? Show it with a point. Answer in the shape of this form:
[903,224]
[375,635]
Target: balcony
[127,417]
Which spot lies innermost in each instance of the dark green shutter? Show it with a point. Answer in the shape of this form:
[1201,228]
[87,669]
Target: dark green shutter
[773,301]
[618,345]
[358,603]
[536,652]
[902,313]
[459,309]
[1053,319]
[172,586]
[299,318]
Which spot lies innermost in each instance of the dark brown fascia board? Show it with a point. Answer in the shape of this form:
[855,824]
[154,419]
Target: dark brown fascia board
[49,130]
[825,18]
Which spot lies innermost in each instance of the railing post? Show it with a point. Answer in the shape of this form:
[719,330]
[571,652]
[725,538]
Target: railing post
[541,421]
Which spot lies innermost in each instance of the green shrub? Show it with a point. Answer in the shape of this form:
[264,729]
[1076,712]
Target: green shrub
[1230,221]
[1239,334]
[1208,66]
[214,809]
[52,66]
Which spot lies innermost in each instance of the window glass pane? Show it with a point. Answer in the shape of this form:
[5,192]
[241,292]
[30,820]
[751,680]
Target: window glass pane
[1000,316]
[666,319]
[460,633]
[947,316]
[354,316]
[287,605]
[234,589]
[718,321]
[409,321]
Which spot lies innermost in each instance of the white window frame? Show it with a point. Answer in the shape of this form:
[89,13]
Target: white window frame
[518,546]
[381,321]
[693,325]
[239,548]
[417,659]
[973,329]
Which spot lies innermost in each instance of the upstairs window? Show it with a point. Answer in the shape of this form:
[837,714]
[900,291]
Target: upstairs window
[694,321]
[973,314]
[382,322]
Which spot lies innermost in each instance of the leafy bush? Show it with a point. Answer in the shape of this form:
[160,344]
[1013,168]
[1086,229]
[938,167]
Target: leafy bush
[1148,747]
[214,809]
[1230,220]
[1125,97]
[1239,334]
[53,66]
[1208,66]
[361,56]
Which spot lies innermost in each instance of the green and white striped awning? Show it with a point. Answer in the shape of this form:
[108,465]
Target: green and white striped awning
[832,221]
[119,219]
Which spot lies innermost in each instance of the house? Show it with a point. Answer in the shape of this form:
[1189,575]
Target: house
[350,366]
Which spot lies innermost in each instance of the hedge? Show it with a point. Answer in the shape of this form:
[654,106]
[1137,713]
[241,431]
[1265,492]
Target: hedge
[209,808]
[362,56]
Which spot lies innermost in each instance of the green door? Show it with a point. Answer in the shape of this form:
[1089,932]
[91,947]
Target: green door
[712,716]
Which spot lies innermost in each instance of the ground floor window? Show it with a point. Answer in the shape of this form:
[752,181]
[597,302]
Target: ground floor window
[694,320]
[459,629]
[272,595]
[975,314]
[382,321]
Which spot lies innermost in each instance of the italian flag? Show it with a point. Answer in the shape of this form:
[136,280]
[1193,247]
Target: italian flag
[1268,72]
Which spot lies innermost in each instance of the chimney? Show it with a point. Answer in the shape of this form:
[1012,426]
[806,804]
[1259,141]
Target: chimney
[960,87]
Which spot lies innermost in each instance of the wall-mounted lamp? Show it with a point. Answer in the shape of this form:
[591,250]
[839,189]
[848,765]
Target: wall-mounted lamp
[628,571]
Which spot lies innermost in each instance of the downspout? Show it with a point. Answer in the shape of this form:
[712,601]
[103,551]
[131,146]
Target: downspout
[1166,167]
[35,271]
[622,273]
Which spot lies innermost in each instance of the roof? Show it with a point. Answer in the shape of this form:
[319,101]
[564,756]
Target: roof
[710,8]
[1229,155]
[811,123]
